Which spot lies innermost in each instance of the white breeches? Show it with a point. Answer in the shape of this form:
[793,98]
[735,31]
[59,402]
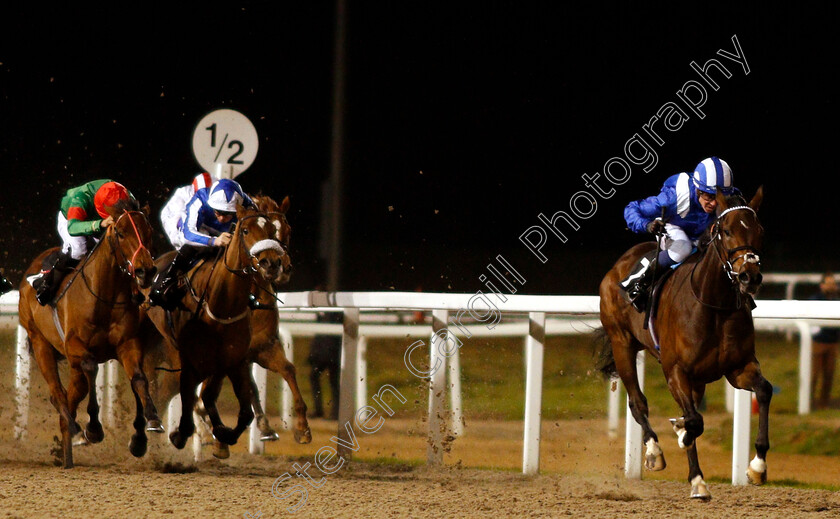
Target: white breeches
[676,242]
[75,246]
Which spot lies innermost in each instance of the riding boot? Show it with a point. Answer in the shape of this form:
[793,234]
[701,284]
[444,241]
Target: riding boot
[53,270]
[165,291]
[636,286]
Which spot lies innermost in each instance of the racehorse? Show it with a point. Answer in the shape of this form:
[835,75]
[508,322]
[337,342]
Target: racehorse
[266,348]
[210,329]
[95,318]
[703,323]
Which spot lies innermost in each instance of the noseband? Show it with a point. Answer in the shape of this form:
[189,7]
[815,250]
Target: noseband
[750,254]
[127,265]
[256,248]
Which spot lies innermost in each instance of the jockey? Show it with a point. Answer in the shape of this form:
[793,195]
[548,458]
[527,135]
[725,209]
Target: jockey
[689,203]
[208,218]
[172,214]
[85,213]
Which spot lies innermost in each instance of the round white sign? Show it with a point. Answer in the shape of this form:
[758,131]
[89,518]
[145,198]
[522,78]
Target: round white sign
[225,143]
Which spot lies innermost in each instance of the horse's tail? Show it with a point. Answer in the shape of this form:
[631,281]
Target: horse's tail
[605,362]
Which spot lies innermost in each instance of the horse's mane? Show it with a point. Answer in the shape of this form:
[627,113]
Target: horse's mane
[123,205]
[706,238]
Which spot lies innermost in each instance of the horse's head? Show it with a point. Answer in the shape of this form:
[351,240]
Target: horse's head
[736,236]
[283,231]
[130,235]
[255,237]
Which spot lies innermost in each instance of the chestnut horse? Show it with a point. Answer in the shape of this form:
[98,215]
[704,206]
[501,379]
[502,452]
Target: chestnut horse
[210,329]
[704,328]
[93,319]
[266,347]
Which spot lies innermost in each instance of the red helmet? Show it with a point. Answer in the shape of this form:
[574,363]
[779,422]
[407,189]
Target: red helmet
[201,181]
[107,195]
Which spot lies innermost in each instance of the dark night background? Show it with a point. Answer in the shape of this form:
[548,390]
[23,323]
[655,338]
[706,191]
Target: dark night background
[463,122]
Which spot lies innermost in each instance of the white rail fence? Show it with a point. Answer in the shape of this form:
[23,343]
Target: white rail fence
[547,315]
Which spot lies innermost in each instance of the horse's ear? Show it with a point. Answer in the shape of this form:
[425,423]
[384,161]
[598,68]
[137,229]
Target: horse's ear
[147,210]
[284,205]
[721,201]
[755,203]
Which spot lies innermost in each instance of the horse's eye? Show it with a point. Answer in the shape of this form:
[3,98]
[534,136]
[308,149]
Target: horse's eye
[727,233]
[244,231]
[120,235]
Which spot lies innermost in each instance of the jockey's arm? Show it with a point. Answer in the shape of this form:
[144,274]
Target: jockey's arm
[638,214]
[79,225]
[192,224]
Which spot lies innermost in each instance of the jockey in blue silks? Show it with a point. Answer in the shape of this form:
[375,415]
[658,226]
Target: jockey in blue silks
[690,204]
[206,224]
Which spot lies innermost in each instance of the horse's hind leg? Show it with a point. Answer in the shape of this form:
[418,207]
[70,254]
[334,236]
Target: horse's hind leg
[267,433]
[750,378]
[274,359]
[48,364]
[242,388]
[625,349]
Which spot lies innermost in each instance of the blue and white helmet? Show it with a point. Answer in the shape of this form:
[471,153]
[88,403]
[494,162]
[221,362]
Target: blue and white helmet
[225,195]
[711,174]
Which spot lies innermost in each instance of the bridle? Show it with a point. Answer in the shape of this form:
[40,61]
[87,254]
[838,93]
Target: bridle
[727,261]
[749,254]
[256,248]
[126,265]
[245,272]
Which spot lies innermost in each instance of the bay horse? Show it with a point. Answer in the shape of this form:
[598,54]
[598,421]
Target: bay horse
[95,318]
[211,329]
[704,327]
[266,348]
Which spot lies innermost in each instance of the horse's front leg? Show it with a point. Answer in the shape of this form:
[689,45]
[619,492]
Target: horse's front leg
[130,355]
[186,427]
[209,395]
[93,432]
[750,378]
[242,388]
[689,427]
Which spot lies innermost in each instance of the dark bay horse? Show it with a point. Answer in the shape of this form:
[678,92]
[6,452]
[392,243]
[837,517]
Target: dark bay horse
[211,329]
[95,319]
[266,348]
[705,330]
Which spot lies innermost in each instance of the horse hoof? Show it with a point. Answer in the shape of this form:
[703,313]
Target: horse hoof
[303,437]
[270,436]
[655,462]
[138,445]
[699,490]
[225,435]
[154,426]
[80,440]
[757,471]
[177,439]
[221,451]
[94,433]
